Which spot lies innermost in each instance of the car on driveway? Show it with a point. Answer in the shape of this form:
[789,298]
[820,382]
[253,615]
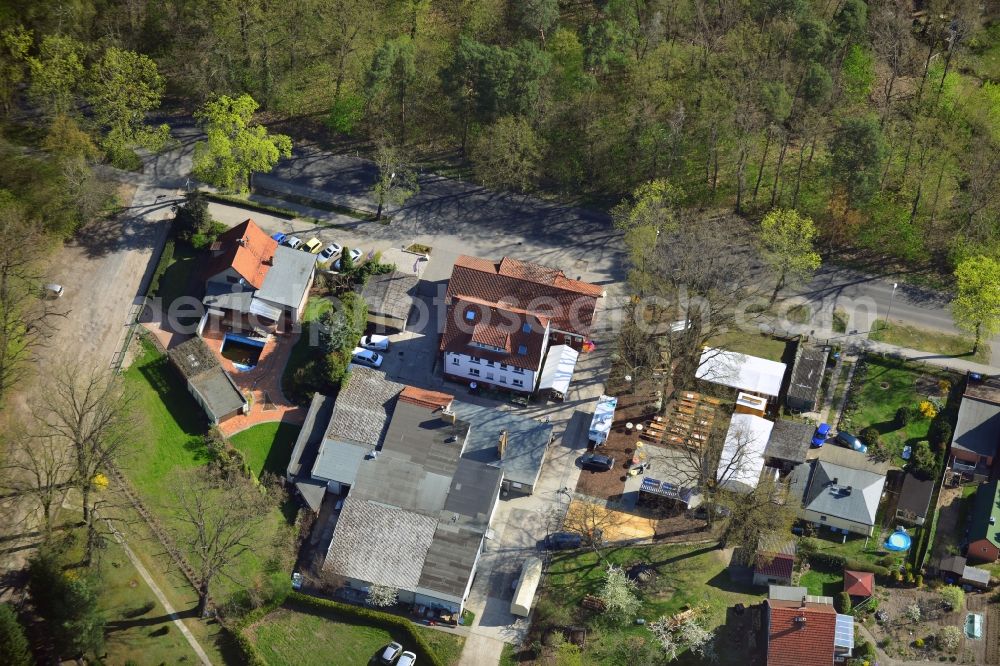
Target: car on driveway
[355,254]
[563,541]
[363,356]
[279,237]
[819,437]
[595,462]
[375,342]
[407,659]
[851,442]
[313,246]
[331,251]
[293,242]
[390,654]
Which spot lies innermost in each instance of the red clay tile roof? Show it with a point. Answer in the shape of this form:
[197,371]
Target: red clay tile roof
[432,400]
[809,643]
[778,565]
[518,284]
[246,249]
[508,329]
[859,583]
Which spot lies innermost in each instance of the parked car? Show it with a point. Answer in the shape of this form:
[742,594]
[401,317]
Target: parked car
[851,442]
[52,291]
[407,659]
[376,342]
[296,581]
[563,541]
[280,237]
[363,356]
[331,251]
[313,246]
[595,462]
[822,432]
[355,254]
[390,654]
[293,242]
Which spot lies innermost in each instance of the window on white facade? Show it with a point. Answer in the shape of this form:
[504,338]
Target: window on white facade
[474,372]
[489,376]
[473,359]
[470,315]
[518,382]
[489,364]
[503,380]
[518,371]
[454,360]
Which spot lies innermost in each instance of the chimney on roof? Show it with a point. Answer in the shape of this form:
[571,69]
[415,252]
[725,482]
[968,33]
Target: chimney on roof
[502,444]
[803,601]
[242,241]
[835,480]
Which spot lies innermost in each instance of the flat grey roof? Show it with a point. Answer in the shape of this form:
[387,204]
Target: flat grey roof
[807,375]
[915,494]
[218,390]
[380,544]
[390,294]
[339,461]
[450,558]
[527,440]
[287,280]
[790,440]
[363,407]
[423,437]
[975,574]
[473,492]
[193,357]
[311,435]
[842,492]
[402,483]
[978,426]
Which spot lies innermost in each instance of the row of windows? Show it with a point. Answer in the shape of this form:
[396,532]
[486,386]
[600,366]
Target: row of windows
[489,364]
[474,372]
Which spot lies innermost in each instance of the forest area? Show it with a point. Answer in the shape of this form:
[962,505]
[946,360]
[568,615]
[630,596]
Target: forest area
[879,120]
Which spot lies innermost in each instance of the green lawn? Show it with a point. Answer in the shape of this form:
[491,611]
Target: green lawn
[302,638]
[751,343]
[957,346]
[303,350]
[823,583]
[889,385]
[176,279]
[687,576]
[267,446]
[171,440]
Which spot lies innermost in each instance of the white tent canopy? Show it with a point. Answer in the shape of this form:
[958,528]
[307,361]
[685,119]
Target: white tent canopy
[742,457]
[739,371]
[604,414]
[558,369]
[527,584]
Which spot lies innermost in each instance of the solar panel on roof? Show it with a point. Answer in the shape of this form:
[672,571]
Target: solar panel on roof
[844,633]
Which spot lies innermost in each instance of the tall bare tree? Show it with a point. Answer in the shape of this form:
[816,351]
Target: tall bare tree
[89,412]
[40,470]
[219,515]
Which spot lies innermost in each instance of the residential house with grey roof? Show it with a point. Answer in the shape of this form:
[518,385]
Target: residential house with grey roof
[977,431]
[845,499]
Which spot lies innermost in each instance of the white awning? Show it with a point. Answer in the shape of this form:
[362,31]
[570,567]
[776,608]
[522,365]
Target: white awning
[740,371]
[264,309]
[558,369]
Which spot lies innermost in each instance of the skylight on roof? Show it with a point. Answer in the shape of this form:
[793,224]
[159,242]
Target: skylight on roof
[470,315]
[526,327]
[522,350]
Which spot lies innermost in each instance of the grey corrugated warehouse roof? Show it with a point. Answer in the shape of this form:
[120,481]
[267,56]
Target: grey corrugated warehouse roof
[527,440]
[310,436]
[807,374]
[363,407]
[390,294]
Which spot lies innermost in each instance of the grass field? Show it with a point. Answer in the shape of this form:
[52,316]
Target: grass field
[956,346]
[172,441]
[823,583]
[288,637]
[751,343]
[267,446]
[686,576]
[889,385]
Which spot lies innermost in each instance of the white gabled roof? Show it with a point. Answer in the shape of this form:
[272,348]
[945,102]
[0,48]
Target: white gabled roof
[740,371]
[742,457]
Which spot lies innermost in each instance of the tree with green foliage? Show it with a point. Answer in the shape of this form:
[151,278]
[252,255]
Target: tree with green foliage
[14,647]
[15,43]
[340,329]
[856,156]
[857,74]
[619,594]
[507,154]
[976,307]
[396,181]
[536,17]
[923,461]
[67,601]
[235,147]
[390,80]
[787,242]
[124,86]
[194,223]
[56,74]
[953,596]
[651,212]
[844,602]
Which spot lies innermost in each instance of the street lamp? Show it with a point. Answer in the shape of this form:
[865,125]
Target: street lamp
[889,311]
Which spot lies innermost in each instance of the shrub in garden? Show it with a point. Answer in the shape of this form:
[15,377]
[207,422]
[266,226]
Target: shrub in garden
[927,409]
[948,638]
[954,596]
[902,417]
[939,433]
[919,643]
[844,602]
[871,437]
[920,580]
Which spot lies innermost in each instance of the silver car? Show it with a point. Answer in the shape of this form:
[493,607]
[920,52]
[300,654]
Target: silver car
[407,659]
[363,356]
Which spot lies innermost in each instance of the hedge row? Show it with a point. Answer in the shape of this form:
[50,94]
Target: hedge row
[834,561]
[861,565]
[166,257]
[250,205]
[336,610]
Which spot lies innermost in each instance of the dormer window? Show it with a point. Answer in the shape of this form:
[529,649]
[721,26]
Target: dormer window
[522,350]
[526,327]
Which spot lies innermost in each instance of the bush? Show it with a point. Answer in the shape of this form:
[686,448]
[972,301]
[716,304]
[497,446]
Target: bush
[68,603]
[954,596]
[194,224]
[919,643]
[843,602]
[948,638]
[923,461]
[827,560]
[939,433]
[928,410]
[14,648]
[920,580]
[902,417]
[861,565]
[166,257]
[871,437]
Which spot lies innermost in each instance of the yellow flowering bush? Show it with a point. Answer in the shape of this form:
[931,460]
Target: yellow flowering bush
[927,409]
[100,481]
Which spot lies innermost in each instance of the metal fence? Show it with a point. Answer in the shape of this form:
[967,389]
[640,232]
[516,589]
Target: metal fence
[134,313]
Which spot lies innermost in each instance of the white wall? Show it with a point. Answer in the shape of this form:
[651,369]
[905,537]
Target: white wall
[465,364]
